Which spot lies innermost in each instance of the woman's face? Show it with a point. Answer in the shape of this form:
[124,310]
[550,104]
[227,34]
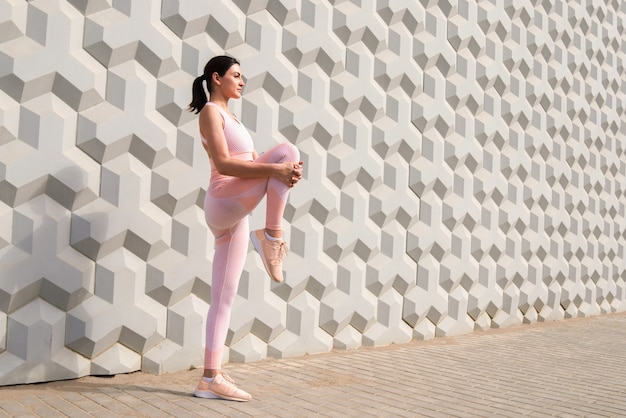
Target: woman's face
[231,84]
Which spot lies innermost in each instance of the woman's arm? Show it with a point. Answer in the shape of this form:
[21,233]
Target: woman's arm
[212,129]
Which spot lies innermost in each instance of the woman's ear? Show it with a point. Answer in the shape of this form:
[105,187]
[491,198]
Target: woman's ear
[215,77]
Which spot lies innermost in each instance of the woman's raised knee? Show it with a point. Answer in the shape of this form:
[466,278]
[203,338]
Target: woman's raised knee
[291,151]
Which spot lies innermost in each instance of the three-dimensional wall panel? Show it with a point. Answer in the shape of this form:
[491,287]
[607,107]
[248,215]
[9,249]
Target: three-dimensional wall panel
[464,169]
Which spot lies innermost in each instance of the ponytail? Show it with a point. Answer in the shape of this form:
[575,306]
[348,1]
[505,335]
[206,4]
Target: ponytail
[198,98]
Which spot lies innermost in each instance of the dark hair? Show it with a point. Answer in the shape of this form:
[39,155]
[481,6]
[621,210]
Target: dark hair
[219,64]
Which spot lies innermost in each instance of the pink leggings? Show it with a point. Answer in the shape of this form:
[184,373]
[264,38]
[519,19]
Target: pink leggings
[226,212]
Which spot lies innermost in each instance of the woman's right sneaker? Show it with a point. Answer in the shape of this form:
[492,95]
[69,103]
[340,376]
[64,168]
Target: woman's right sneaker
[272,253]
[220,388]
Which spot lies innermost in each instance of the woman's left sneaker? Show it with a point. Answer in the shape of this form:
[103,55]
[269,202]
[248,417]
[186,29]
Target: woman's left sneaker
[220,388]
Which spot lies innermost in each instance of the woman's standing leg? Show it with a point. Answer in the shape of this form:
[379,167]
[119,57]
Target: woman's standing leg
[231,247]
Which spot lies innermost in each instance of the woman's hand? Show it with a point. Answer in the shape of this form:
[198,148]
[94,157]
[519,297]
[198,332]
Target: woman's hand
[290,173]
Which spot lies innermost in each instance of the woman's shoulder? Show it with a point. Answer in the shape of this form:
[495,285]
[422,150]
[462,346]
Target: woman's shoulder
[213,105]
[213,110]
[211,116]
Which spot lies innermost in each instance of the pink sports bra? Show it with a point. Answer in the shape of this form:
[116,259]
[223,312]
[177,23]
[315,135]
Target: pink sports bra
[238,138]
[239,144]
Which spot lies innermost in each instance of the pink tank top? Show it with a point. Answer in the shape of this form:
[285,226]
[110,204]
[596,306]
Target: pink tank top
[239,144]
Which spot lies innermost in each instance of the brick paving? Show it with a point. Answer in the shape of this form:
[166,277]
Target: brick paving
[570,368]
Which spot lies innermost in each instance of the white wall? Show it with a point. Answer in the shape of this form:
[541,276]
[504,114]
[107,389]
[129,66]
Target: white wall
[465,168]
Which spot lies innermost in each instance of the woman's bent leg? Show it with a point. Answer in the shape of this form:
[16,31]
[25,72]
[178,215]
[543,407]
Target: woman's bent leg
[268,242]
[240,196]
[277,191]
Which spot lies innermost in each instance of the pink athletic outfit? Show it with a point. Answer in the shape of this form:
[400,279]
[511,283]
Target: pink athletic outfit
[227,204]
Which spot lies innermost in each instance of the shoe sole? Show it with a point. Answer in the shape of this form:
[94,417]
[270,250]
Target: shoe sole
[210,395]
[205,394]
[257,246]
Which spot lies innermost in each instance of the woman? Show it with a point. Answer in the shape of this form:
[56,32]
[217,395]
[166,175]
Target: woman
[240,178]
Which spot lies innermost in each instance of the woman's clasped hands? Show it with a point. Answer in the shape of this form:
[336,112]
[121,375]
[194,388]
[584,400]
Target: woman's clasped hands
[290,173]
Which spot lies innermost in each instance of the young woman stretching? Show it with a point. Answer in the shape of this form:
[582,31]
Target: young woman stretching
[240,178]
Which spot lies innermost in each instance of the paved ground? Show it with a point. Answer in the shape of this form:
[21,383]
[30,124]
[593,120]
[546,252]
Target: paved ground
[571,368]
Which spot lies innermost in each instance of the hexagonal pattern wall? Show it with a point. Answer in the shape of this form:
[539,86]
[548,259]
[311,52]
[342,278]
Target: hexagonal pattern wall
[465,168]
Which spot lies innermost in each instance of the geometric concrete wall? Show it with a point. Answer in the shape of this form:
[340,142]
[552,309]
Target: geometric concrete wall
[465,168]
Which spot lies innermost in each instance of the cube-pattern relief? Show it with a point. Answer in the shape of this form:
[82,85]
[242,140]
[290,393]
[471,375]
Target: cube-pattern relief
[464,169]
